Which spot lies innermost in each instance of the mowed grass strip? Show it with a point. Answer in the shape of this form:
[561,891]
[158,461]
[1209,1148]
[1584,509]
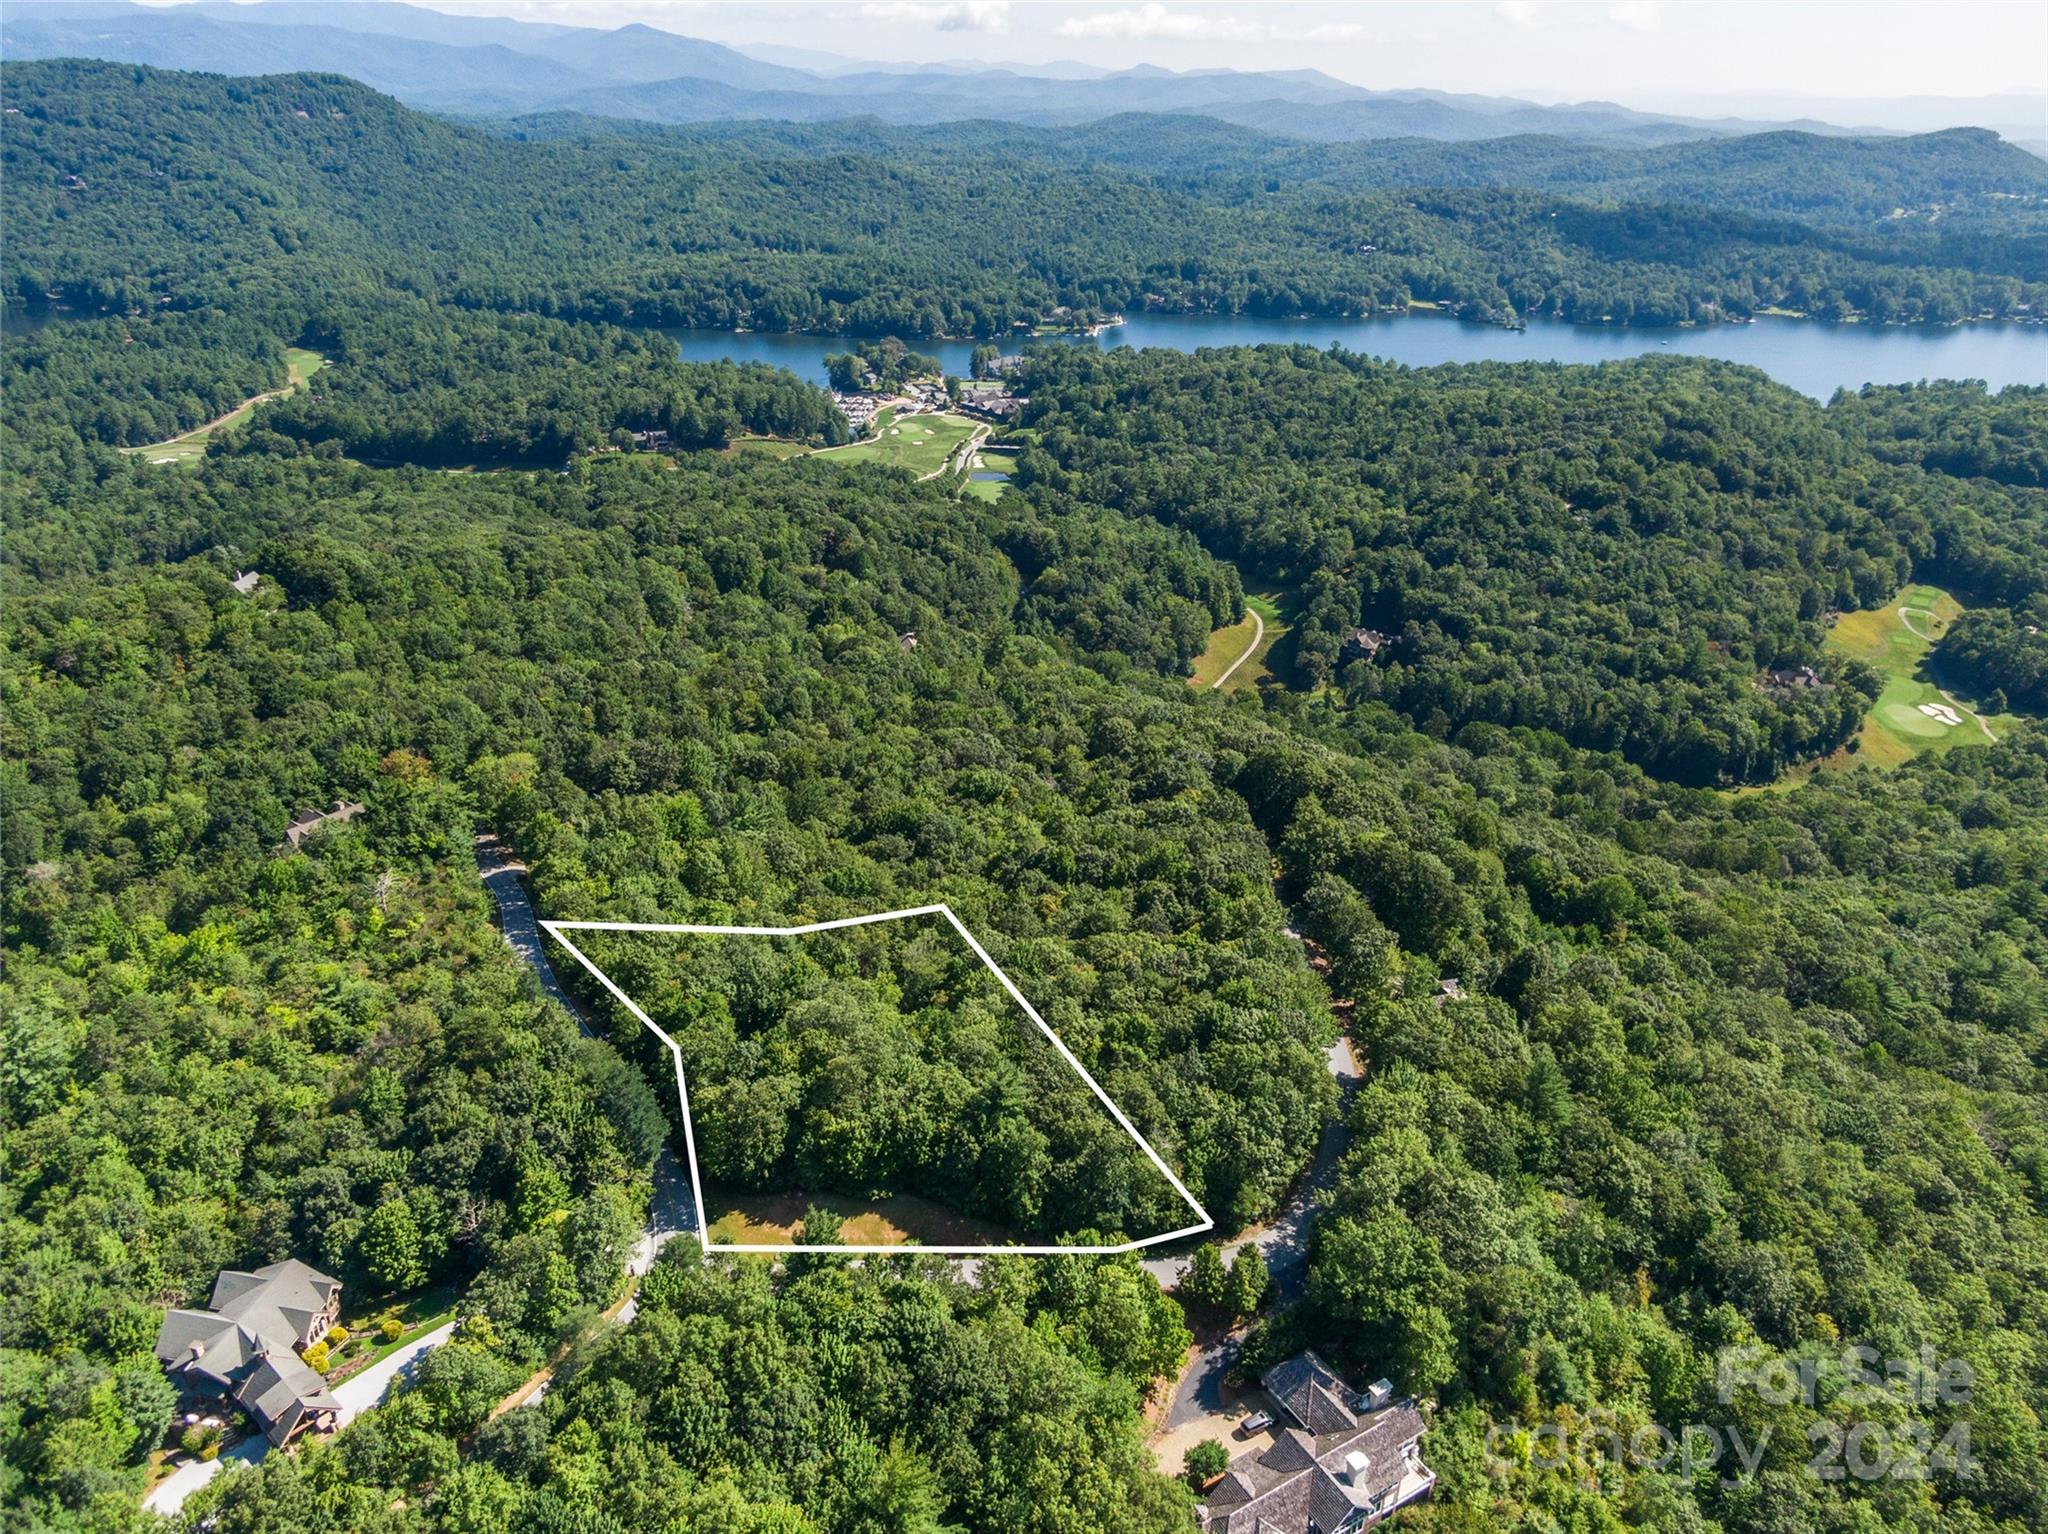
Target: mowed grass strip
[300,365]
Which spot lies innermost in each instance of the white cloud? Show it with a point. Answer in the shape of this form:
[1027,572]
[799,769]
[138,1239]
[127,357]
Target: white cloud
[1521,13]
[959,16]
[1637,15]
[1151,22]
[1156,21]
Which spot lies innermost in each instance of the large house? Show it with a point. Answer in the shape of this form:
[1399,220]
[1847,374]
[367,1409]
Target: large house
[245,1347]
[1362,644]
[1337,1462]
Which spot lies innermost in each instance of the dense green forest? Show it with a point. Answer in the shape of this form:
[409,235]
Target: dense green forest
[318,197]
[2001,655]
[886,363]
[681,694]
[889,1397]
[1734,1114]
[1613,554]
[1954,428]
[886,1059]
[1964,173]
[1751,1071]
[577,647]
[420,384]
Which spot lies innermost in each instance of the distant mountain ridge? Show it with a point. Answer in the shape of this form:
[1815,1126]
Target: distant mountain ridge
[499,67]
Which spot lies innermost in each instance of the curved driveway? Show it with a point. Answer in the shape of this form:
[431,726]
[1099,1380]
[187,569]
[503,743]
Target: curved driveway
[672,1210]
[1284,1244]
[357,1394]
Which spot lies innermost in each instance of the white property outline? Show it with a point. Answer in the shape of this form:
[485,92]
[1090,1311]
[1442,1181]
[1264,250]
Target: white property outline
[555,929]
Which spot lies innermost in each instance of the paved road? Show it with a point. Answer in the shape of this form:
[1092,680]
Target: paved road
[961,456]
[363,1390]
[502,875]
[1258,633]
[672,1211]
[1200,1391]
[170,1493]
[1283,1242]
[357,1394]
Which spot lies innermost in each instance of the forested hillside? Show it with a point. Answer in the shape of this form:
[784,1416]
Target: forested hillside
[1624,946]
[319,198]
[1616,555]
[918,235]
[1656,1073]
[1848,183]
[412,383]
[1954,428]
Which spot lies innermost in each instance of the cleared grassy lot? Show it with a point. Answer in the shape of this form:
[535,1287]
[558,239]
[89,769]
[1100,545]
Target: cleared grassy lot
[1226,645]
[300,365]
[761,1218]
[919,443]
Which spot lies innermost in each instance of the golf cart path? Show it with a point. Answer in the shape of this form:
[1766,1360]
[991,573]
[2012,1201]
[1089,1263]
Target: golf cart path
[1906,615]
[1258,634]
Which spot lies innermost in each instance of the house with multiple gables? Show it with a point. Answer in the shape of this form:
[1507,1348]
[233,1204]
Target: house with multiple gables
[245,1347]
[1363,644]
[1336,1462]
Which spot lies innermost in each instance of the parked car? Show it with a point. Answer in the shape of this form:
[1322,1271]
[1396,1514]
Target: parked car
[1257,1422]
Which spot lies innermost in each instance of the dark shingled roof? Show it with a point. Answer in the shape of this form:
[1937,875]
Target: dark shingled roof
[1313,1393]
[276,1302]
[1305,1478]
[281,1390]
[248,1343]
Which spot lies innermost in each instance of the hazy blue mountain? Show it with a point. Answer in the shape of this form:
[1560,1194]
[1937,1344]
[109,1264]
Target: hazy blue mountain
[640,54]
[387,17]
[503,68]
[448,77]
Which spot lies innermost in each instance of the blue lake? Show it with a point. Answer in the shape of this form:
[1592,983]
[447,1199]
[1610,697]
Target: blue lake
[1810,356]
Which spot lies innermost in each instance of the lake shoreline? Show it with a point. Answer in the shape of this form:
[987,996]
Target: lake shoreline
[1419,309]
[1814,357]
